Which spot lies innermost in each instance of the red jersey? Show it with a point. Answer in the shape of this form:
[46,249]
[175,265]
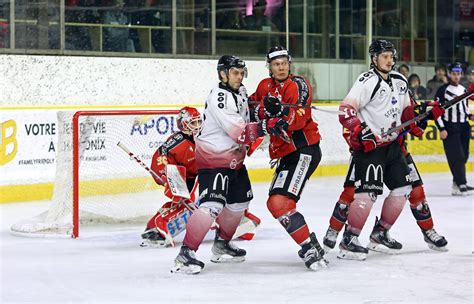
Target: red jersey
[303,130]
[178,149]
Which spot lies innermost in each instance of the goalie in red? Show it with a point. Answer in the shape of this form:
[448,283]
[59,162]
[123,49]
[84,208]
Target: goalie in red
[171,218]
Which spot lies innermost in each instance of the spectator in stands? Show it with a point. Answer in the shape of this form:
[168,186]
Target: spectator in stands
[116,38]
[440,78]
[414,84]
[404,70]
[468,77]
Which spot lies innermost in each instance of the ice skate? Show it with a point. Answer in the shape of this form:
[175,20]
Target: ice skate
[350,248]
[381,241]
[312,254]
[186,262]
[329,240]
[434,240]
[461,190]
[152,238]
[226,252]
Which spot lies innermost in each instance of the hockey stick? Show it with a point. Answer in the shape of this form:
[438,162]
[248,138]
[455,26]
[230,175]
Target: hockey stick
[420,117]
[290,105]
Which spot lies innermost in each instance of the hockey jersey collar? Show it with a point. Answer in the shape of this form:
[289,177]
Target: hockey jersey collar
[227,88]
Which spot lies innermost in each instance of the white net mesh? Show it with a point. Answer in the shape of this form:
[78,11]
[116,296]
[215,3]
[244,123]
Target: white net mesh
[113,188]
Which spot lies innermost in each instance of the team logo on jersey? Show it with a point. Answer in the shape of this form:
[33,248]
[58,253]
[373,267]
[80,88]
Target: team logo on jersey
[394,100]
[402,88]
[383,93]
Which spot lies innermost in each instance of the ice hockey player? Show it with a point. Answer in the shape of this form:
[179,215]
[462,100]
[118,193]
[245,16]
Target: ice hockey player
[171,218]
[224,185]
[418,203]
[377,101]
[294,146]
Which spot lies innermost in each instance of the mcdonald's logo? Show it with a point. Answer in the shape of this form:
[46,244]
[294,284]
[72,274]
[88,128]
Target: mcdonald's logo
[224,181]
[376,170]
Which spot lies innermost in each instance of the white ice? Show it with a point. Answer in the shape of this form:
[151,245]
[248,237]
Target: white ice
[106,265]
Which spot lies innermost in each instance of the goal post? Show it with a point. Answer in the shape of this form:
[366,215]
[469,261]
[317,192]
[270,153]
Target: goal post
[96,182]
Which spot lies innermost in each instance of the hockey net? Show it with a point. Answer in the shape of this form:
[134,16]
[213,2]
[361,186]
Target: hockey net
[96,182]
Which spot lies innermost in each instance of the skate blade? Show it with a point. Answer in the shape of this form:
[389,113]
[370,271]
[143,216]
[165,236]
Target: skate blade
[183,269]
[436,248]
[382,249]
[349,255]
[225,258]
[327,248]
[154,244]
[316,266]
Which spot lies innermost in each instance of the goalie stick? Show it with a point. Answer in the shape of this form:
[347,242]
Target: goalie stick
[420,117]
[144,166]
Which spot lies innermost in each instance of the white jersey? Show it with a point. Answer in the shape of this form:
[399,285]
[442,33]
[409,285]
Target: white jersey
[225,116]
[378,102]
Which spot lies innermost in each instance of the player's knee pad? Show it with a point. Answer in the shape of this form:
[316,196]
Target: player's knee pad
[417,196]
[212,208]
[292,221]
[347,195]
[238,207]
[401,191]
[279,205]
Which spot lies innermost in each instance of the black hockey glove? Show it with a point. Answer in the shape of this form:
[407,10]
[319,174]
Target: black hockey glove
[363,138]
[278,127]
[273,107]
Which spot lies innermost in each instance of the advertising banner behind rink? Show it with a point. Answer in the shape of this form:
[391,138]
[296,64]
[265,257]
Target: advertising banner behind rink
[29,143]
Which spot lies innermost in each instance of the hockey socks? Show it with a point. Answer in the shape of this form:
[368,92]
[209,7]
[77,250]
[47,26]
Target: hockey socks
[228,221]
[198,225]
[360,209]
[420,209]
[393,206]
[283,208]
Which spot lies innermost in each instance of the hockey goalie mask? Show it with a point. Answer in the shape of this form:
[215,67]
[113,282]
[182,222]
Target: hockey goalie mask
[189,120]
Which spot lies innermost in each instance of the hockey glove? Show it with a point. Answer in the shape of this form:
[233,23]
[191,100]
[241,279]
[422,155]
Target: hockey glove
[278,127]
[415,130]
[273,107]
[252,132]
[362,138]
[436,111]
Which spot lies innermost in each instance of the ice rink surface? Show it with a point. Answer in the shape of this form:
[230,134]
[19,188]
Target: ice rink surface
[106,264]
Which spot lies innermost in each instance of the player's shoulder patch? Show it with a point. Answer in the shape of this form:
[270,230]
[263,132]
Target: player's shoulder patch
[172,142]
[303,89]
[366,76]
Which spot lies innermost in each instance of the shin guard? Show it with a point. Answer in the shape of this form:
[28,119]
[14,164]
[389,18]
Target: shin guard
[295,224]
[393,206]
[420,209]
[360,210]
[228,221]
[339,216]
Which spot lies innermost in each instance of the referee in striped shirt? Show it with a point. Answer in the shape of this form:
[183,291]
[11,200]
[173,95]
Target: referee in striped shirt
[455,130]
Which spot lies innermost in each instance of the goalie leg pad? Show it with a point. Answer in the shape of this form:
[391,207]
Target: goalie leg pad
[247,226]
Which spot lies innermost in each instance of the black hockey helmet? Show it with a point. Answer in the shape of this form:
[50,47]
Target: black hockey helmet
[377,47]
[227,62]
[455,67]
[277,52]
